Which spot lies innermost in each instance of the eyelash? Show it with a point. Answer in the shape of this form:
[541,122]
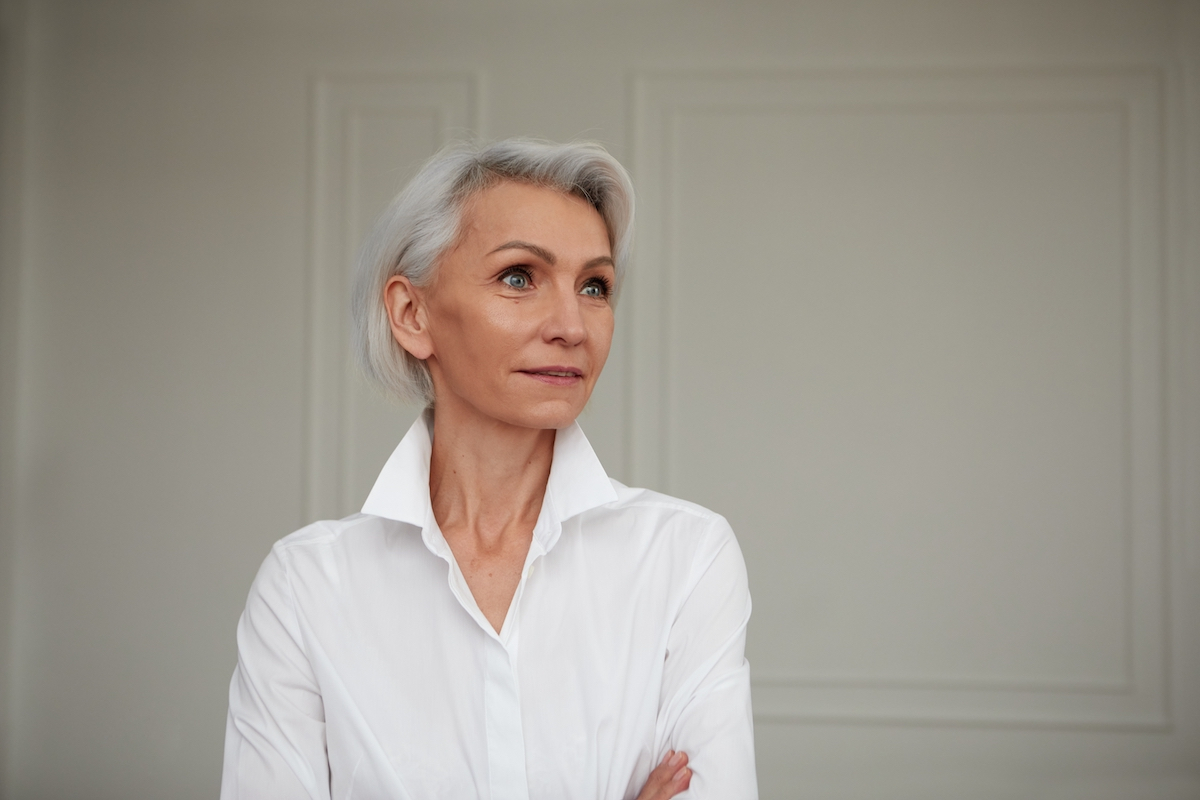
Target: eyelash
[604,284]
[522,271]
[600,280]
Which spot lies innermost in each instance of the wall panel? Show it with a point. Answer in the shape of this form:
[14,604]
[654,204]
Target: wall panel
[917,318]
[371,133]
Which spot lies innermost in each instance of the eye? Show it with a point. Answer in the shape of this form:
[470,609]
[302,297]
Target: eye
[516,278]
[596,287]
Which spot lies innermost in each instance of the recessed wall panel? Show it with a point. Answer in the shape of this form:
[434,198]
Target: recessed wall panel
[896,347]
[371,132]
[387,147]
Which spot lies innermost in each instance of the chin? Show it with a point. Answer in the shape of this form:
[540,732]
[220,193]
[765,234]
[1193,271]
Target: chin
[541,415]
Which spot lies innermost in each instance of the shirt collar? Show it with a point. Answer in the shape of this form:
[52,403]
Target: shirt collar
[401,492]
[577,481]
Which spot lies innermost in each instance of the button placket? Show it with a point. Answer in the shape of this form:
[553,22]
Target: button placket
[505,735]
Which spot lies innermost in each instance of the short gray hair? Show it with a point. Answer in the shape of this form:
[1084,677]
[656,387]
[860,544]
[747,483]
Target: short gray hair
[423,221]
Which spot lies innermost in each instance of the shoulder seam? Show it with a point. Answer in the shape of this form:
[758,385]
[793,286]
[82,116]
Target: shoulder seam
[687,508]
[323,531]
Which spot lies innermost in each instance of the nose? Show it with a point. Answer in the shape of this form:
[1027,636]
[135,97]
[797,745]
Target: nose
[564,318]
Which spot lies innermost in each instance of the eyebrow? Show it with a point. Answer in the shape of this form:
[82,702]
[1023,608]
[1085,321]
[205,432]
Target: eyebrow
[546,255]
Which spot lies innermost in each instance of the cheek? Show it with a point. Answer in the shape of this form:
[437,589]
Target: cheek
[601,334]
[503,329]
[482,336]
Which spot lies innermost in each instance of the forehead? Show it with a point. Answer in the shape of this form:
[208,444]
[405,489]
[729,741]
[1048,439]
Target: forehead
[514,210]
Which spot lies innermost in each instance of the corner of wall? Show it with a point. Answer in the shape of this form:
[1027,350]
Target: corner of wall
[14,33]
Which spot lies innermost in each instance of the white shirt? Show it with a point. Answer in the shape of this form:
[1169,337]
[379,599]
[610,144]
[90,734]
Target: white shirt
[366,670]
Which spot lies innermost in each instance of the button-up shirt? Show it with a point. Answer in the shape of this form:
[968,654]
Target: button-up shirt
[366,669]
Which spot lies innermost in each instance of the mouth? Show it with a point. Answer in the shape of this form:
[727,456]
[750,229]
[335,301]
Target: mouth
[555,376]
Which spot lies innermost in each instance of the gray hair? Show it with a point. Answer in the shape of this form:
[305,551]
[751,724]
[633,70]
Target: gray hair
[423,221]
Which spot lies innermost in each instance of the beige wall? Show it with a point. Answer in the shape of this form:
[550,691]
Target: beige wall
[171,400]
[12,59]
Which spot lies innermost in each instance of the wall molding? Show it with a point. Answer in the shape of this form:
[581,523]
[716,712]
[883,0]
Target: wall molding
[340,104]
[661,102]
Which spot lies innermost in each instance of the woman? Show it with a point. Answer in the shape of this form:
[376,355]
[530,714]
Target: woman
[502,620]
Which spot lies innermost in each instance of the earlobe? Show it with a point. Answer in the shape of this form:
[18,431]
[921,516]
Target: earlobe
[407,317]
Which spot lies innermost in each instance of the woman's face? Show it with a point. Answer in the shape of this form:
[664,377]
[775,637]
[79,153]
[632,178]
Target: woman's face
[519,315]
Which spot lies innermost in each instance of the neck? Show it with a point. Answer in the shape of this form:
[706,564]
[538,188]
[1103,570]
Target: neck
[487,478]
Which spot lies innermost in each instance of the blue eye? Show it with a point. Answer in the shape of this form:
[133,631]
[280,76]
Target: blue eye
[597,287]
[517,280]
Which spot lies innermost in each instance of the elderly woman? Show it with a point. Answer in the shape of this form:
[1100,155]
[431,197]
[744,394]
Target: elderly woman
[502,620]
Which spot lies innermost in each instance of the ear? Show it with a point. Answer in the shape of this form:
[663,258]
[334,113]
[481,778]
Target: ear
[406,313]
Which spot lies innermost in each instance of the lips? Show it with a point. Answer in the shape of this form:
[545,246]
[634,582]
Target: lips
[555,375]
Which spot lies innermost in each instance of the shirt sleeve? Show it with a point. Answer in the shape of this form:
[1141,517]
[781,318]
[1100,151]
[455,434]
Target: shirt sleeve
[705,709]
[275,733]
